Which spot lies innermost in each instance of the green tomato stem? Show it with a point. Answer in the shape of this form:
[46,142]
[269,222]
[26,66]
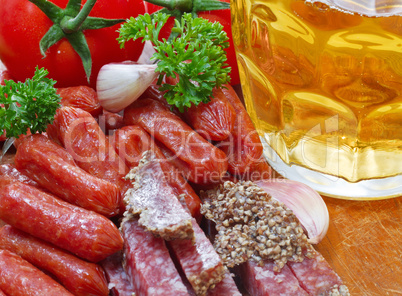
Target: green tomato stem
[182,5]
[70,25]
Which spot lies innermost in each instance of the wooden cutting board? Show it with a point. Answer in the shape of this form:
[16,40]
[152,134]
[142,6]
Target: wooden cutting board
[364,245]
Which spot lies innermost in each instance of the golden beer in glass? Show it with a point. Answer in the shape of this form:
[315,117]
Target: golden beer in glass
[322,82]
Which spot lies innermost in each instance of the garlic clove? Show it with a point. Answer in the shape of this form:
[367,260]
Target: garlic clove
[305,202]
[120,84]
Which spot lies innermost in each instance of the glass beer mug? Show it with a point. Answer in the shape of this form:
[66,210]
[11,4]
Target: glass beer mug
[322,82]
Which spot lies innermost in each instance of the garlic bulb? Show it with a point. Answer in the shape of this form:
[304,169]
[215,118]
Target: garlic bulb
[305,202]
[120,84]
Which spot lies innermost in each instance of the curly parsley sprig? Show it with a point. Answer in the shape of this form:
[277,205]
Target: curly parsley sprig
[29,105]
[196,55]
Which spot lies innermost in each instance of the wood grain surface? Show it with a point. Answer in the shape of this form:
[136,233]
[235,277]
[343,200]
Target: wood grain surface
[364,245]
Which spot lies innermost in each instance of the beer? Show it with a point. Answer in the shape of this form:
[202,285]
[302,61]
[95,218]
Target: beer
[323,85]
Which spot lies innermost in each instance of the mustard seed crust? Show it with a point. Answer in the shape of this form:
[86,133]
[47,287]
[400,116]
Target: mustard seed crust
[252,225]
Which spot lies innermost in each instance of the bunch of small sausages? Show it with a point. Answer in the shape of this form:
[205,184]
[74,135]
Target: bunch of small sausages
[62,196]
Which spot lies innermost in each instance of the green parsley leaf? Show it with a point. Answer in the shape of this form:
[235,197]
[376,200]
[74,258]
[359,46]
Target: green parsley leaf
[196,55]
[28,105]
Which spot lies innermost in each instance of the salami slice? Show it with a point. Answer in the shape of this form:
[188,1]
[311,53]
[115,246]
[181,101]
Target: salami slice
[132,141]
[317,277]
[80,277]
[148,262]
[2,293]
[119,283]
[263,281]
[154,200]
[20,278]
[201,264]
[226,287]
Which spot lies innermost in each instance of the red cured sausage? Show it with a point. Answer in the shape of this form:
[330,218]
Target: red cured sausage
[20,278]
[9,170]
[2,293]
[213,120]
[184,168]
[132,141]
[154,93]
[258,170]
[206,162]
[54,169]
[81,135]
[83,97]
[84,233]
[110,121]
[80,277]
[244,146]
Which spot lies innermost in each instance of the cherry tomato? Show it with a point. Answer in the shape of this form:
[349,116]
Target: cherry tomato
[221,16]
[23,25]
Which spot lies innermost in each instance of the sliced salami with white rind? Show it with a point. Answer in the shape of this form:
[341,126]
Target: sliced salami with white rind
[264,281]
[148,263]
[119,283]
[154,201]
[317,277]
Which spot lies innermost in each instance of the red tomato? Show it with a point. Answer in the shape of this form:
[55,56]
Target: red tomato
[221,16]
[23,25]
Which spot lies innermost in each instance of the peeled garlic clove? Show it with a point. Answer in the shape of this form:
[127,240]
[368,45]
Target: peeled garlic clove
[120,84]
[305,202]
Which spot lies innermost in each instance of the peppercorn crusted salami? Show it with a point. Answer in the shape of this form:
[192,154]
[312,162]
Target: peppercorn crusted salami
[226,287]
[261,279]
[148,262]
[199,261]
[251,224]
[154,200]
[317,277]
